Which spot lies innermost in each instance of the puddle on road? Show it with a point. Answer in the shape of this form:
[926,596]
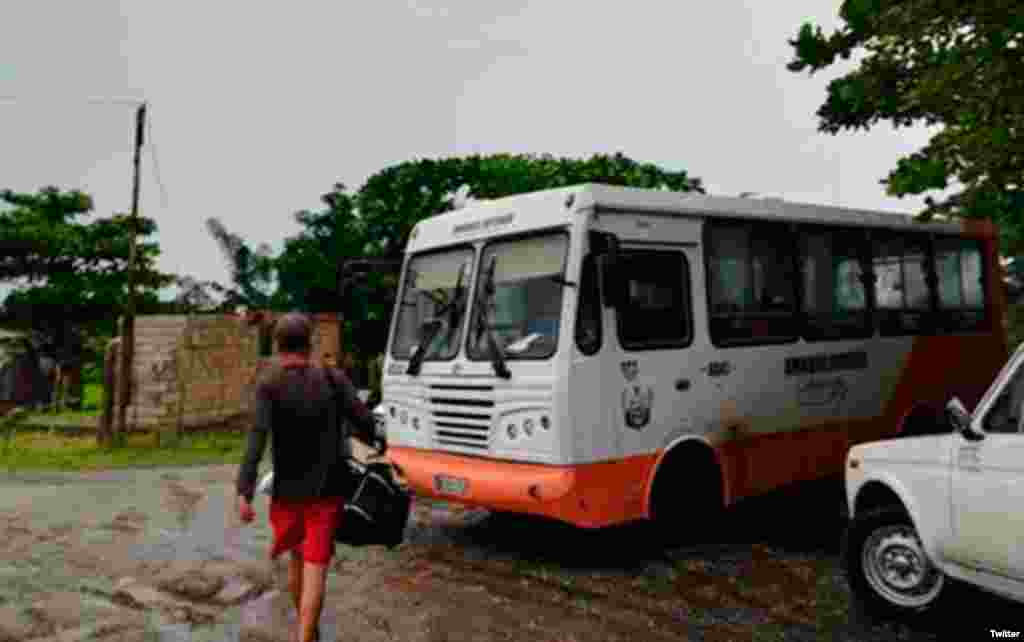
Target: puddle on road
[162,517]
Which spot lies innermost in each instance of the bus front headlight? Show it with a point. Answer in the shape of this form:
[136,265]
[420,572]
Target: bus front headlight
[528,427]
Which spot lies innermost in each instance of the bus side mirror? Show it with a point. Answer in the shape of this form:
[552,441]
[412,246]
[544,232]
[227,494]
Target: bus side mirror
[612,292]
[605,247]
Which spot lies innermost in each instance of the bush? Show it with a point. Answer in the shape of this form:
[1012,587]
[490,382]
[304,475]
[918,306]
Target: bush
[1015,325]
[92,373]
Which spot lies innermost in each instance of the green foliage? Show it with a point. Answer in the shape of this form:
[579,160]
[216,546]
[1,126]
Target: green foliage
[308,269]
[252,271]
[935,62]
[9,423]
[70,273]
[1015,325]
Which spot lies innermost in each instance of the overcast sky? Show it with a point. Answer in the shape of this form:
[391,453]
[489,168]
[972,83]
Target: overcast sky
[256,109]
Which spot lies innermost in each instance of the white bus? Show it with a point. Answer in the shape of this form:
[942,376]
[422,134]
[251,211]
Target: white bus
[600,355]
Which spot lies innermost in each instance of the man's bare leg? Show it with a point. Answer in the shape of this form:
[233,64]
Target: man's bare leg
[295,580]
[314,579]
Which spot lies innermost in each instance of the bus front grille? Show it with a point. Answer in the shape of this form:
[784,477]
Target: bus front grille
[461,416]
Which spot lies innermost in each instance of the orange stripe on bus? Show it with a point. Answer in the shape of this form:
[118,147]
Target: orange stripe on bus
[936,369]
[590,495]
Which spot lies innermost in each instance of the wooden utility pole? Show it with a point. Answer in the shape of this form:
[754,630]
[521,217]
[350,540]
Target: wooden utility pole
[127,348]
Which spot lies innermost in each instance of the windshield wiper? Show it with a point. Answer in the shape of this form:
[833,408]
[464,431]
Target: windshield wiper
[484,325]
[431,327]
[429,330]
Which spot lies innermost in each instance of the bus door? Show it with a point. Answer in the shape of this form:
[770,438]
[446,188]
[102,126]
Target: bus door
[658,389]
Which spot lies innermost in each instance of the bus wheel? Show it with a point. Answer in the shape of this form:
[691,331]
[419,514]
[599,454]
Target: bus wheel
[687,501]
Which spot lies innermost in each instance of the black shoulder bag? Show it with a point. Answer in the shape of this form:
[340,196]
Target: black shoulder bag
[377,510]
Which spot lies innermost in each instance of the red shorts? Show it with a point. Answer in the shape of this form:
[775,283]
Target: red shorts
[308,523]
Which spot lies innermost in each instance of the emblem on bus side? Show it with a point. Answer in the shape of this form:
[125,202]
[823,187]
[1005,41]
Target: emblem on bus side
[636,405]
[824,392]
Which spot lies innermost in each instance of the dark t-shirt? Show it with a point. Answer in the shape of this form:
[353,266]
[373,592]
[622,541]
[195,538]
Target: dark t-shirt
[298,408]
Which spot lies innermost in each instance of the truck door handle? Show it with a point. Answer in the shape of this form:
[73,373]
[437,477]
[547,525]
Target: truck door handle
[682,384]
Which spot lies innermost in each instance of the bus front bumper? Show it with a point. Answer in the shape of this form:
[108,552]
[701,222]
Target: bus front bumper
[545,490]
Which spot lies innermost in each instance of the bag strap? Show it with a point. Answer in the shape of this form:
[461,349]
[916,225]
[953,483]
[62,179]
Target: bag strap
[337,404]
[337,396]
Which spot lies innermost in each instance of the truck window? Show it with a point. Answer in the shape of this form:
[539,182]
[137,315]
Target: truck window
[751,283]
[588,314]
[902,296]
[656,313]
[834,299]
[1005,414]
[961,292]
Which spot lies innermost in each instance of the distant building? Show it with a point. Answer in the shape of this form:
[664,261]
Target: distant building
[24,373]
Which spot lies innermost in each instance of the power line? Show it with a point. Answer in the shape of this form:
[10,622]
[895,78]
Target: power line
[132,102]
[156,163]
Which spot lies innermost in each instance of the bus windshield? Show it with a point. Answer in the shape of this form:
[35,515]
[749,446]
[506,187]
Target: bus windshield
[524,309]
[434,291]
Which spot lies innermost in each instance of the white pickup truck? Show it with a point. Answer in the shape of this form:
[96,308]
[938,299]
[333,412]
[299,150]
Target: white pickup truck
[924,510]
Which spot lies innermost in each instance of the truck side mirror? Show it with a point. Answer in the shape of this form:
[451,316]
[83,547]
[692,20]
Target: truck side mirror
[961,420]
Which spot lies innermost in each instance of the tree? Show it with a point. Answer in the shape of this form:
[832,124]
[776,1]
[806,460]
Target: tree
[958,65]
[392,201]
[309,267]
[252,271]
[197,296]
[375,222]
[70,274]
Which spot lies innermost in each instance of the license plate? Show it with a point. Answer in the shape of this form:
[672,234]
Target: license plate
[450,485]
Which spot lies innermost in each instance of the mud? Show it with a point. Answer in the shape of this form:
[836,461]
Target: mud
[160,555]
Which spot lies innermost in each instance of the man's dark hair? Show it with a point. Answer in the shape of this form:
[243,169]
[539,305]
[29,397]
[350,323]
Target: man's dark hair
[293,333]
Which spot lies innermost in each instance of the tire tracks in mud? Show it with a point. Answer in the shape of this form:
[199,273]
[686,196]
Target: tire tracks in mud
[631,613]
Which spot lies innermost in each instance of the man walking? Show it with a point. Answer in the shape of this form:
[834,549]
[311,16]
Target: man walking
[297,404]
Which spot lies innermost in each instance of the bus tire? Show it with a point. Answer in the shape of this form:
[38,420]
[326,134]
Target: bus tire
[687,499]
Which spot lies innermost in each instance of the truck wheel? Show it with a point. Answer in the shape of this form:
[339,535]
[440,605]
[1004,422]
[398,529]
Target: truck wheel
[886,565]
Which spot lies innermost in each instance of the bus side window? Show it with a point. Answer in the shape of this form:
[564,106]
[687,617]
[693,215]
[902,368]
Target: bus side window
[751,283]
[589,309]
[656,313]
[834,297]
[902,296]
[961,288]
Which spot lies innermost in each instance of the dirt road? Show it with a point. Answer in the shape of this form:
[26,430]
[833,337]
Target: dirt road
[159,555]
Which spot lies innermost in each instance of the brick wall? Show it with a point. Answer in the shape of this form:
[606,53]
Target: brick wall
[191,370]
[198,370]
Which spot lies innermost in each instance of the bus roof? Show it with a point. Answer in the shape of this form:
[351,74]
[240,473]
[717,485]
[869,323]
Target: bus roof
[547,208]
[628,199]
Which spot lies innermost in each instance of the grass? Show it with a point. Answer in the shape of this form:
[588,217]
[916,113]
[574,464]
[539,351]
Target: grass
[92,402]
[33,450]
